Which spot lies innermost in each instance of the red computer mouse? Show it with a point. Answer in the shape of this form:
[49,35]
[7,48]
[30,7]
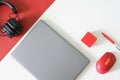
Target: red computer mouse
[105,63]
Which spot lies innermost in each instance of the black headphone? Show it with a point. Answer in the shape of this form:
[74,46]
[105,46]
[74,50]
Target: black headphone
[12,27]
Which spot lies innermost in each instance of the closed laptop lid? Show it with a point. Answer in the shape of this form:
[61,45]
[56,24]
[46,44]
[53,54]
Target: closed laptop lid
[48,56]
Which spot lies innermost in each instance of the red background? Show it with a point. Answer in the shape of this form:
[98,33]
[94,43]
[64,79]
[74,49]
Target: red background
[29,11]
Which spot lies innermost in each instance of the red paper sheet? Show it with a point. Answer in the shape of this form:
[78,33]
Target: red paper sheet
[29,11]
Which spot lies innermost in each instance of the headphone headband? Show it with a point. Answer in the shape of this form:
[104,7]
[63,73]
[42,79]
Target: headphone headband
[9,5]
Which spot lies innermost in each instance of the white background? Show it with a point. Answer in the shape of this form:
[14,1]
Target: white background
[72,19]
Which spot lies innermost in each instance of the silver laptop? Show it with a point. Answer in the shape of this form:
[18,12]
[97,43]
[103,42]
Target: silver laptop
[48,56]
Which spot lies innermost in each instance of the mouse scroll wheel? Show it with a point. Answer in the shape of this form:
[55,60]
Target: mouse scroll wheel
[107,61]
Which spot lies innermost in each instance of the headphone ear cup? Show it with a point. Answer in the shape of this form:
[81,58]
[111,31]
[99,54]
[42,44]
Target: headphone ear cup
[14,24]
[8,30]
[5,31]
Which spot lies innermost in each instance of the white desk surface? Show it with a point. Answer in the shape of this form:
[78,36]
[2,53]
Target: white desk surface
[72,19]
